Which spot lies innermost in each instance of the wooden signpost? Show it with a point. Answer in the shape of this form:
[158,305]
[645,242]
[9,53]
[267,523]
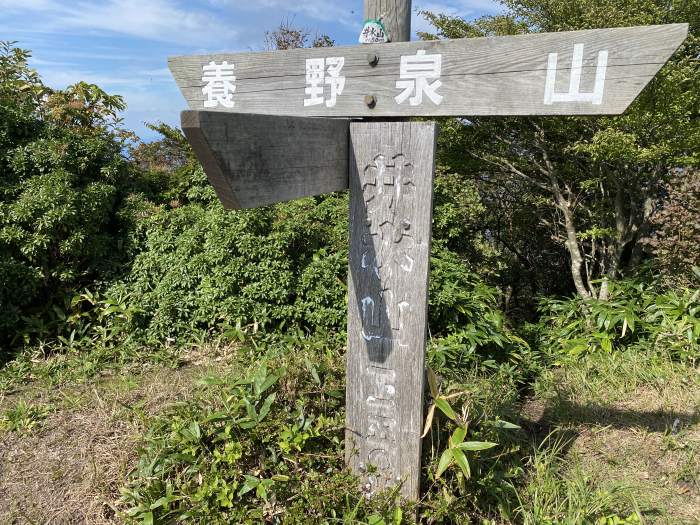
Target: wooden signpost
[252,125]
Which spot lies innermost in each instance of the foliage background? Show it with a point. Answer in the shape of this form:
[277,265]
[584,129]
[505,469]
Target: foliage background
[115,251]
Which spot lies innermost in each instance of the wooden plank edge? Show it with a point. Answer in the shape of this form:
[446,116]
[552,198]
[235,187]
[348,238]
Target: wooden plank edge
[680,34]
[192,128]
[677,32]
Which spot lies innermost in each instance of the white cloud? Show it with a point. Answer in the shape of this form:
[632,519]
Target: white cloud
[462,8]
[59,78]
[159,20]
[55,75]
[38,62]
[27,5]
[105,57]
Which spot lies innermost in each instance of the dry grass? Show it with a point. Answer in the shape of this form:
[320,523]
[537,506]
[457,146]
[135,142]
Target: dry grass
[632,422]
[640,431]
[69,468]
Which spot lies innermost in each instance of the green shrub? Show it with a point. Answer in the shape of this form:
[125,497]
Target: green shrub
[62,170]
[636,313]
[262,445]
[199,266]
[675,226]
[469,330]
[672,321]
[265,443]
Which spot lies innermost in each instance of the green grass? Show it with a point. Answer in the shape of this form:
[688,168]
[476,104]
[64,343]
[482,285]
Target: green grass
[23,417]
[254,431]
[558,490]
[632,419]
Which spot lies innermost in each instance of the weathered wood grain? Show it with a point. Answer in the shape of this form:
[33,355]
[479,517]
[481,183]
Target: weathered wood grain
[395,14]
[391,183]
[480,76]
[256,160]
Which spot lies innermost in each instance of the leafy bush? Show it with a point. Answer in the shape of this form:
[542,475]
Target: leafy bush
[459,223]
[62,170]
[469,329]
[637,313]
[676,228]
[199,266]
[264,444]
[256,447]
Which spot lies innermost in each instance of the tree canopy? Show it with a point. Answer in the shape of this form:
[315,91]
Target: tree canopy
[592,183]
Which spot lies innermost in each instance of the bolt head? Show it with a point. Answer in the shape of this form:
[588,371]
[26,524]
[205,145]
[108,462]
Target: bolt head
[372,59]
[370,101]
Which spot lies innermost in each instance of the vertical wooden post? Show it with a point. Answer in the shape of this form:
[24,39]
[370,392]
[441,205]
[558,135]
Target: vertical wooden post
[392,165]
[391,190]
[395,14]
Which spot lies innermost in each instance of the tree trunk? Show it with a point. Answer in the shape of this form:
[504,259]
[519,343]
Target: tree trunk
[623,227]
[574,249]
[577,261]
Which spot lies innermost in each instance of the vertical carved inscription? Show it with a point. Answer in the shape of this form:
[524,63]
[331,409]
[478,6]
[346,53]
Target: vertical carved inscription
[391,181]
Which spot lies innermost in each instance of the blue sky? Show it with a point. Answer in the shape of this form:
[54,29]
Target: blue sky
[123,45]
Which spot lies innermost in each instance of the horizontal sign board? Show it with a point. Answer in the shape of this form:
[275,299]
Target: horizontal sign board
[594,72]
[256,160]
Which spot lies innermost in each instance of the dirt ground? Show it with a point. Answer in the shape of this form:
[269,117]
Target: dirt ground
[648,441]
[68,470]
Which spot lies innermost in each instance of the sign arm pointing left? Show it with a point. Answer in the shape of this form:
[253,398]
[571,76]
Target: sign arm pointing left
[257,160]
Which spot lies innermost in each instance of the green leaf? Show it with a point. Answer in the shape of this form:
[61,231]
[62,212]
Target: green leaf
[458,436]
[280,477]
[445,461]
[249,485]
[445,408]
[265,409]
[192,432]
[462,462]
[261,491]
[247,424]
[476,445]
[499,423]
[312,369]
[163,502]
[147,518]
[250,410]
[375,519]
[271,380]
[398,516]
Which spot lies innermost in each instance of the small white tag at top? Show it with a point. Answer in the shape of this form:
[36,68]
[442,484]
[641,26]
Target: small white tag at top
[374,32]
